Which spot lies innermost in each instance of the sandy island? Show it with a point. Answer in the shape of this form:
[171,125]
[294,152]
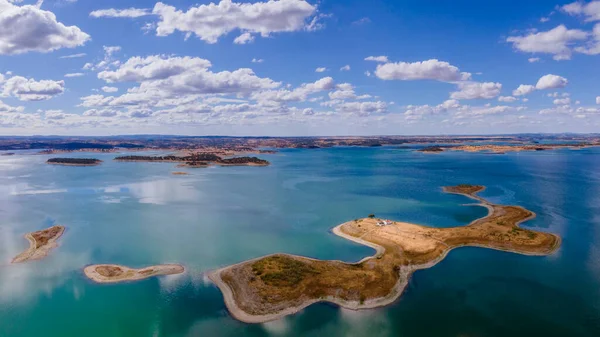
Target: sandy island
[271,287]
[40,244]
[112,273]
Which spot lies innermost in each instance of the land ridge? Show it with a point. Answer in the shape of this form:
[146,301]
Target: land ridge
[270,287]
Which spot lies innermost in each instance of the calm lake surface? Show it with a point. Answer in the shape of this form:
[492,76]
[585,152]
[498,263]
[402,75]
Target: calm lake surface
[138,214]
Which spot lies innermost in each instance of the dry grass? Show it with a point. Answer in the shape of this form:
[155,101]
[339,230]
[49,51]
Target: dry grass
[42,237]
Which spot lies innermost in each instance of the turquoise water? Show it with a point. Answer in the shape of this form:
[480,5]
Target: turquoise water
[138,214]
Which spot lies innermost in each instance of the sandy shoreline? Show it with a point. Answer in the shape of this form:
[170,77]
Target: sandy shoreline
[112,273]
[405,271]
[36,253]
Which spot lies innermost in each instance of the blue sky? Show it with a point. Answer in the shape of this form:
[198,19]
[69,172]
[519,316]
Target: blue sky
[298,67]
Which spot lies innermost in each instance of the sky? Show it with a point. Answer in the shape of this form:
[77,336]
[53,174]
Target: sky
[299,67]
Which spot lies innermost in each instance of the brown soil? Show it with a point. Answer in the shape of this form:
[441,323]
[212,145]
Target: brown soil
[109,271]
[42,237]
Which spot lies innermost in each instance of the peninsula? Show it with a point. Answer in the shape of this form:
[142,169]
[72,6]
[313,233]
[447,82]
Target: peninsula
[74,161]
[112,273]
[40,244]
[274,286]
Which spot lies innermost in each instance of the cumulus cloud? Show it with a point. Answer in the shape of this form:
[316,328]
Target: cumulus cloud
[598,100]
[138,69]
[121,13]
[557,41]
[590,11]
[28,28]
[562,101]
[507,99]
[110,89]
[255,60]
[345,68]
[212,21]
[533,59]
[551,82]
[523,89]
[74,75]
[321,70]
[381,59]
[31,90]
[300,94]
[476,90]
[7,108]
[431,69]
[592,47]
[244,38]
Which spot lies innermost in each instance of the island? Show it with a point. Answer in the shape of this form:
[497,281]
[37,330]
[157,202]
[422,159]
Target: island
[74,161]
[179,173]
[112,273]
[431,149]
[196,160]
[274,286]
[40,244]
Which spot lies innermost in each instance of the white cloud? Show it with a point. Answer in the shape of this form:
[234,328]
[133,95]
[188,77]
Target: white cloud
[244,38]
[562,101]
[74,75]
[533,59]
[321,70]
[598,100]
[121,13]
[255,60]
[430,69]
[591,10]
[507,99]
[7,108]
[138,69]
[73,56]
[30,89]
[345,91]
[382,59]
[345,68]
[362,21]
[110,89]
[556,41]
[476,90]
[362,108]
[592,47]
[210,22]
[100,113]
[551,82]
[28,28]
[299,94]
[524,89]
[544,19]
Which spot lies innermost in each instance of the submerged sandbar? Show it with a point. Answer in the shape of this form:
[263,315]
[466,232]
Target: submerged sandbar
[112,273]
[40,244]
[274,286]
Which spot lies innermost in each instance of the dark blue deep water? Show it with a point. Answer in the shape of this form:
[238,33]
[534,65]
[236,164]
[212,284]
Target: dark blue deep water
[139,214]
